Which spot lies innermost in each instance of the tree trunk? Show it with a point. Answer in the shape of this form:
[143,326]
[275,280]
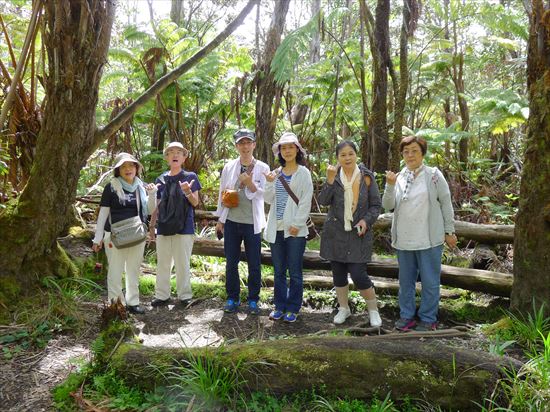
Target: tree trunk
[532,234]
[410,17]
[365,367]
[77,39]
[375,151]
[266,86]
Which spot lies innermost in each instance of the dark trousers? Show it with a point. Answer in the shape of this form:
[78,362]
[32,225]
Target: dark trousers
[234,235]
[288,255]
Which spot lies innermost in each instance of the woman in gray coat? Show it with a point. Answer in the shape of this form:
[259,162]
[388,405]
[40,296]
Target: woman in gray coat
[354,204]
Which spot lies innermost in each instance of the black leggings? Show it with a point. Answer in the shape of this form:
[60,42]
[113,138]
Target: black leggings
[358,272]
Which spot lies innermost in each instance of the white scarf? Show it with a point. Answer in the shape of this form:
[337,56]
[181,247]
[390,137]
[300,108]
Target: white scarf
[348,196]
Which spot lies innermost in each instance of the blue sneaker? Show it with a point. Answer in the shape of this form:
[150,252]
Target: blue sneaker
[253,308]
[290,317]
[276,314]
[231,306]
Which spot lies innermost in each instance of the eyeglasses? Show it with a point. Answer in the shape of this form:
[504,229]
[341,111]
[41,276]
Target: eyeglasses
[411,152]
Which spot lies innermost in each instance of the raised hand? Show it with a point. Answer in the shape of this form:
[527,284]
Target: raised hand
[391,177]
[151,187]
[270,176]
[331,174]
[245,179]
[187,187]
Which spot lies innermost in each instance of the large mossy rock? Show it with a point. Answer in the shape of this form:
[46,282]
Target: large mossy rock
[344,366]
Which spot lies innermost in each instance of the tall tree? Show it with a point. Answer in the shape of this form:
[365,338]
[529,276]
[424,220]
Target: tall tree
[532,231]
[77,37]
[375,151]
[267,89]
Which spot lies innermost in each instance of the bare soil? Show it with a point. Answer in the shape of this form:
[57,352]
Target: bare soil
[27,379]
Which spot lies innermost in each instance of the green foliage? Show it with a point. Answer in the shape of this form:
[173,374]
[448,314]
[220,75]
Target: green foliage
[528,329]
[208,380]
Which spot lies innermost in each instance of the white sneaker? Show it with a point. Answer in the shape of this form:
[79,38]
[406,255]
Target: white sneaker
[375,319]
[342,315]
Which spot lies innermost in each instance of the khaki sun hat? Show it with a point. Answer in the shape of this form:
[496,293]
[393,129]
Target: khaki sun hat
[123,157]
[177,145]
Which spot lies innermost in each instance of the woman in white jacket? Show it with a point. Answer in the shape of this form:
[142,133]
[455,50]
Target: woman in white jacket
[286,229]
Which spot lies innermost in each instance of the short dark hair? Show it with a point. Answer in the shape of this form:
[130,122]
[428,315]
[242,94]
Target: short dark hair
[407,140]
[117,170]
[300,159]
[345,143]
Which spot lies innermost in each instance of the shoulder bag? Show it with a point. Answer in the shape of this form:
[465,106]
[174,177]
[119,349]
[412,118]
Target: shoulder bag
[128,232]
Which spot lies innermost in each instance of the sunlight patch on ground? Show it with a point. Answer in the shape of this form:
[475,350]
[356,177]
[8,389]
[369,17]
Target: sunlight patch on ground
[195,333]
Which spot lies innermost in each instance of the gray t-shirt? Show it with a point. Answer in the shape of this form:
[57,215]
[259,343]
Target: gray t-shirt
[243,212]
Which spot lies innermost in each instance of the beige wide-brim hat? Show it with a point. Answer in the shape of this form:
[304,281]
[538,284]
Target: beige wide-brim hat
[286,138]
[177,145]
[123,157]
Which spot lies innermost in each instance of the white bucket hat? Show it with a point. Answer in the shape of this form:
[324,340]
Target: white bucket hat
[287,137]
[124,157]
[177,145]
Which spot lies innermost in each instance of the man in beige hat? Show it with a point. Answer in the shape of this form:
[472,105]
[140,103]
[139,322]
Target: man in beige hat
[174,194]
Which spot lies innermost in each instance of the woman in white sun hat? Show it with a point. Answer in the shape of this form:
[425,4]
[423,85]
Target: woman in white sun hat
[286,229]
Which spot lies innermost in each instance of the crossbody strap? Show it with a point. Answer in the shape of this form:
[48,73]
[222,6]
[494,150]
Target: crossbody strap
[288,189]
[249,170]
[137,204]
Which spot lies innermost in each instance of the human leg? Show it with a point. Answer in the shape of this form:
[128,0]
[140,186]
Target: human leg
[232,249]
[164,267]
[430,273]
[358,273]
[134,257]
[280,290]
[183,245]
[340,279]
[295,247]
[116,267]
[408,273]
[252,248]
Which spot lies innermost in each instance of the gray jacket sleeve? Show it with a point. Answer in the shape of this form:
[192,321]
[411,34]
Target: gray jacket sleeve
[444,197]
[325,196]
[388,198]
[374,203]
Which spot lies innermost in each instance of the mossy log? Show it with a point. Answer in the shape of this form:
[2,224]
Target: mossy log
[351,367]
[495,283]
[323,282]
[473,231]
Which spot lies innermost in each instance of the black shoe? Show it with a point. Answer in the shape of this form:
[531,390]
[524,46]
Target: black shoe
[136,310]
[159,302]
[185,302]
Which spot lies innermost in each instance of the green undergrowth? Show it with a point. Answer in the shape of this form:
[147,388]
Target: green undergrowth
[53,308]
[472,307]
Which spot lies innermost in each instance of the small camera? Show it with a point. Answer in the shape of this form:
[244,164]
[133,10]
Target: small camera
[358,228]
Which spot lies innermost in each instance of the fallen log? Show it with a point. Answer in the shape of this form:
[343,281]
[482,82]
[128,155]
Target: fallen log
[356,368]
[494,283]
[382,287]
[479,233]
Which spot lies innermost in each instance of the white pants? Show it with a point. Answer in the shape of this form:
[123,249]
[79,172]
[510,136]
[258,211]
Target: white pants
[175,249]
[123,260]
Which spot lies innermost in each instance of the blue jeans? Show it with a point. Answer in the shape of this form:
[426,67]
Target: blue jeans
[426,264]
[288,254]
[234,234]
